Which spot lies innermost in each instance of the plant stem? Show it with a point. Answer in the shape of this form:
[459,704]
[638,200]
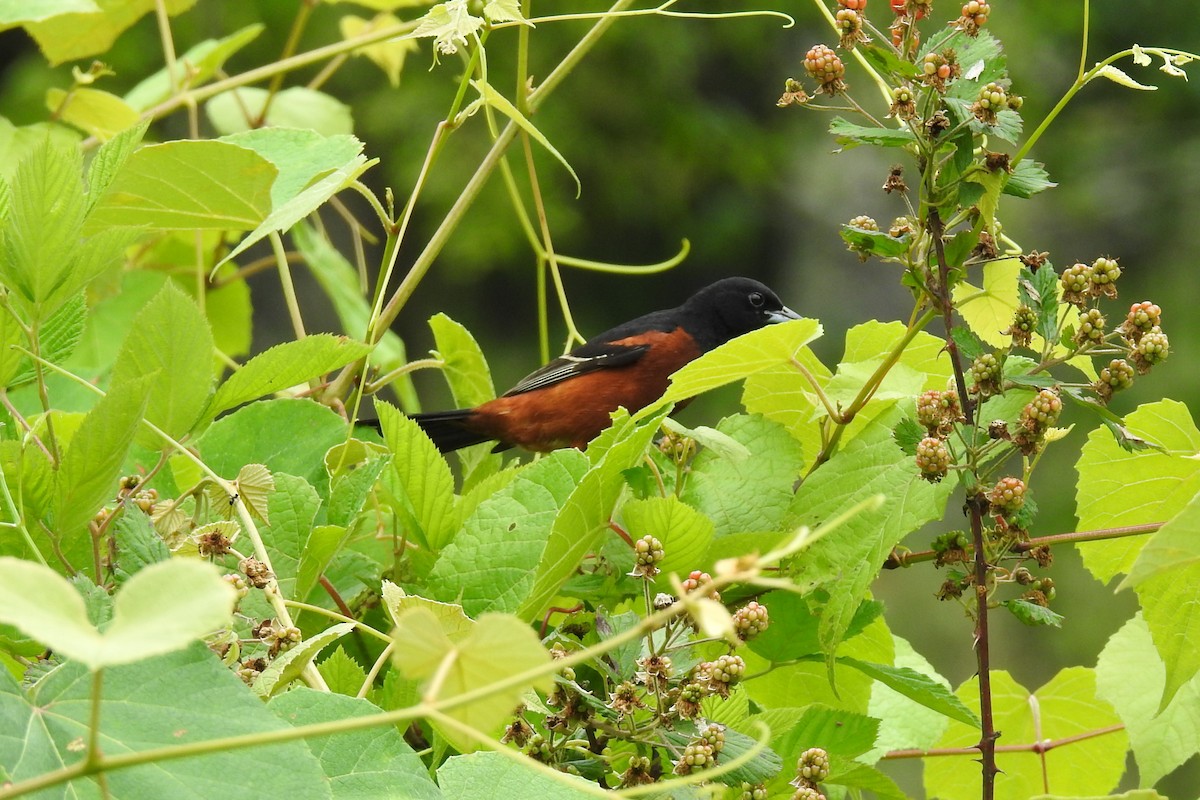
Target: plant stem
[896,560]
[1043,746]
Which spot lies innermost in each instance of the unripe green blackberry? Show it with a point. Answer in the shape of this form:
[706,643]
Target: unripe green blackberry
[1105,272]
[1090,329]
[991,101]
[933,458]
[1007,496]
[938,411]
[687,702]
[1042,412]
[722,673]
[750,620]
[1077,284]
[755,791]
[825,68]
[638,773]
[238,583]
[807,793]
[648,553]
[850,28]
[697,755]
[904,103]
[1141,319]
[813,765]
[1024,323]
[864,222]
[1152,349]
[713,735]
[793,94]
[1116,376]
[987,373]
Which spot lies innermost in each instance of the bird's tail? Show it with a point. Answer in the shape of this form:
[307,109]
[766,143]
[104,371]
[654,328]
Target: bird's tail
[449,430]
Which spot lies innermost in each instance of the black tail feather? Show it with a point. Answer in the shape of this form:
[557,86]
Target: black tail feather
[448,429]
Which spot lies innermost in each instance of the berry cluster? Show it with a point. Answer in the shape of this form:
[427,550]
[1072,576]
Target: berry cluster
[648,553]
[974,16]
[826,68]
[811,768]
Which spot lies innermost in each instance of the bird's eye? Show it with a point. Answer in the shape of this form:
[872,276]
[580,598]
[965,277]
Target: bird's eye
[757,300]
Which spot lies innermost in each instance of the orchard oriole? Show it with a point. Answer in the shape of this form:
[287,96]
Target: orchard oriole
[568,401]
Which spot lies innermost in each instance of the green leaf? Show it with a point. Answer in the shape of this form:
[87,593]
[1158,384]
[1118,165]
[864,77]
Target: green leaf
[288,665]
[495,647]
[1066,706]
[288,436]
[109,159]
[916,686]
[76,34]
[342,673]
[17,12]
[489,565]
[851,555]
[194,67]
[1027,179]
[313,168]
[367,763]
[1131,676]
[880,244]
[501,103]
[182,698]
[905,724]
[684,532]
[170,346]
[989,310]
[1040,290]
[419,478]
[388,55]
[752,494]
[188,185]
[470,379]
[283,366]
[746,355]
[583,520]
[94,111]
[295,107]
[884,59]
[44,258]
[1118,488]
[87,475]
[291,509]
[849,135]
[461,777]
[835,730]
[162,608]
[1033,614]
[59,336]
[138,545]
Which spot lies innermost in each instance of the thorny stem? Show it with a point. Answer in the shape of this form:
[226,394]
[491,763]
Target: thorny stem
[977,506]
[897,559]
[1040,747]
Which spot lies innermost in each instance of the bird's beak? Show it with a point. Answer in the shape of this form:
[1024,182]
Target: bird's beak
[782,315]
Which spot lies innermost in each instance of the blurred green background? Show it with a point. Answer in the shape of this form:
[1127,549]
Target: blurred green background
[672,127]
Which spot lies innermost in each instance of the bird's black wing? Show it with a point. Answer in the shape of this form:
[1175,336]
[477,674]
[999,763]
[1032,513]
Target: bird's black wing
[584,359]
